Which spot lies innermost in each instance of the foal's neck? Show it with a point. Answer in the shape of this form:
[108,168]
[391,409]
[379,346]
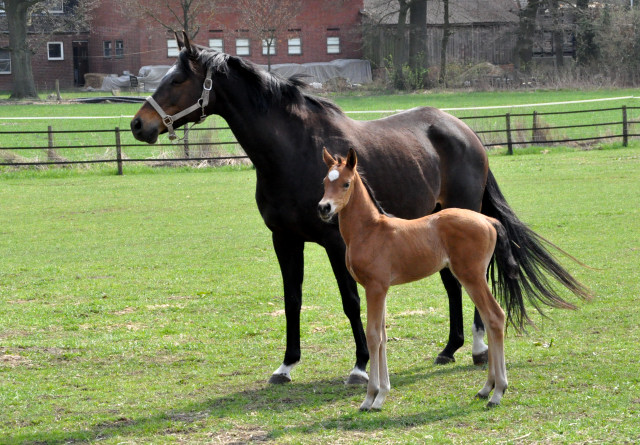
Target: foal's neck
[359,214]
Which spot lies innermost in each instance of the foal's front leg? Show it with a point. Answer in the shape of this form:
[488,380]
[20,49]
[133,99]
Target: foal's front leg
[377,349]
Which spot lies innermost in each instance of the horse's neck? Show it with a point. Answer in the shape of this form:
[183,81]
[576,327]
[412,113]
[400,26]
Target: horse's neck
[359,214]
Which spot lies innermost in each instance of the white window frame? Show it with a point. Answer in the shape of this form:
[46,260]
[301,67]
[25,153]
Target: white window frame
[105,48]
[49,57]
[271,50]
[243,47]
[172,48]
[294,46]
[217,44]
[118,52]
[8,60]
[333,45]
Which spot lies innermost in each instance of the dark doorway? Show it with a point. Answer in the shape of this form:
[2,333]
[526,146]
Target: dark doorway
[80,62]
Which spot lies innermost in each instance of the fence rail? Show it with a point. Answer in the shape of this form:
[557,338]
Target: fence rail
[216,145]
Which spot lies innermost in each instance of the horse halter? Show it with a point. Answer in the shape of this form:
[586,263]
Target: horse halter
[201,103]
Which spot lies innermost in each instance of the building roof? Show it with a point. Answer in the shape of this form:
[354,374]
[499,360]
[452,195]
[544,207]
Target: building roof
[461,12]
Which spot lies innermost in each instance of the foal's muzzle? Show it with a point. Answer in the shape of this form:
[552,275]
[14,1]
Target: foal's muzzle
[325,211]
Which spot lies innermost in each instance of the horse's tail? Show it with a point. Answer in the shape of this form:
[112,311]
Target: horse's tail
[524,265]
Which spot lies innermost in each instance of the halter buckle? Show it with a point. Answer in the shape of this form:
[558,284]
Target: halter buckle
[208,84]
[167,120]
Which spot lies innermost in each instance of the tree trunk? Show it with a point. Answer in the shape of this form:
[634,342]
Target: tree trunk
[23,83]
[558,35]
[526,29]
[399,45]
[446,32]
[417,33]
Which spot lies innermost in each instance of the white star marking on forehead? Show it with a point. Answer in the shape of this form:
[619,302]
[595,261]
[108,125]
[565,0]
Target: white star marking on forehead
[333,175]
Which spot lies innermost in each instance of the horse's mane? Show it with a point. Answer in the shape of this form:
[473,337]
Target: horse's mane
[269,89]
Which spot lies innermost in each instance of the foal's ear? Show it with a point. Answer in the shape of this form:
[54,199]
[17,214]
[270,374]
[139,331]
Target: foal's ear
[352,159]
[327,158]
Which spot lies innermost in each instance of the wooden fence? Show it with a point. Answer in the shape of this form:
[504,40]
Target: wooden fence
[216,145]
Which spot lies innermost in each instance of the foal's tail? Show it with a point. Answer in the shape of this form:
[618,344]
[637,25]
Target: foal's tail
[524,264]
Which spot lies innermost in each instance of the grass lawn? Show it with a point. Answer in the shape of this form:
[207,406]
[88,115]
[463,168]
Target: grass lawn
[148,308]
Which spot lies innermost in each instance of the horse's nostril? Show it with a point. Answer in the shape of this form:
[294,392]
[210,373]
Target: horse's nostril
[136,123]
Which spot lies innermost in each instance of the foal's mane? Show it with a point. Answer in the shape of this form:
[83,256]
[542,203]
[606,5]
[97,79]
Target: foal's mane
[266,89]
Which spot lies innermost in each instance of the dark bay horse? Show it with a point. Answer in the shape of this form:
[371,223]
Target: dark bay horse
[383,251]
[417,162]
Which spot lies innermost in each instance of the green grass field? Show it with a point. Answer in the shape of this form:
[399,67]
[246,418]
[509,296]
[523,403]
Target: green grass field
[148,308]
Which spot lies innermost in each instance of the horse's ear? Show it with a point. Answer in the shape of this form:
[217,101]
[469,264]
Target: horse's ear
[352,159]
[191,50]
[179,40]
[328,159]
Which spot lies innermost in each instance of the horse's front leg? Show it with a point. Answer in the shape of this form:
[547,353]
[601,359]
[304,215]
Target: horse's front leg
[383,370]
[290,252]
[375,333]
[351,305]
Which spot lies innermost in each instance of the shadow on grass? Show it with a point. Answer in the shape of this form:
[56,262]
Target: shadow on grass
[273,399]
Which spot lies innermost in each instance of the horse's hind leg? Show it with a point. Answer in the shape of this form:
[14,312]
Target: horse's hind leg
[383,370]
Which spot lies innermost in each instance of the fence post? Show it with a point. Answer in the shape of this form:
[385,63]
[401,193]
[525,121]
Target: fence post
[534,127]
[509,141]
[186,141]
[50,151]
[118,151]
[625,127]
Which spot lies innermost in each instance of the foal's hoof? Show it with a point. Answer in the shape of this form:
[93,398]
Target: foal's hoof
[481,359]
[279,379]
[492,405]
[482,396]
[444,360]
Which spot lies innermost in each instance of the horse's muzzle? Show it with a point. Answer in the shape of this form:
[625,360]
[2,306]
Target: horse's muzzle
[148,135]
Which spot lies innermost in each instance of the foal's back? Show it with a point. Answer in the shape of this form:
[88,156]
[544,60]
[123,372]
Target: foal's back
[460,239]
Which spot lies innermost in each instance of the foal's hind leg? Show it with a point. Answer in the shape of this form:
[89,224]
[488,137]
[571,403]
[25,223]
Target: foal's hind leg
[493,317]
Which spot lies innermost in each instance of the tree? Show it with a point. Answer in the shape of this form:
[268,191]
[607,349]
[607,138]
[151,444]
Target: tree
[173,15]
[268,20]
[27,19]
[446,33]
[526,31]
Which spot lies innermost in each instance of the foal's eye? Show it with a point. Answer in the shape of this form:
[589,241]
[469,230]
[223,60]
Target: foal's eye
[346,185]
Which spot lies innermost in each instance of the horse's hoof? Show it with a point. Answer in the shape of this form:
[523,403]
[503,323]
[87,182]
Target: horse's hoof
[481,396]
[492,405]
[279,379]
[444,360]
[357,377]
[481,359]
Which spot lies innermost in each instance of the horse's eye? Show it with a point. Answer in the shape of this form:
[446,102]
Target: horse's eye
[346,185]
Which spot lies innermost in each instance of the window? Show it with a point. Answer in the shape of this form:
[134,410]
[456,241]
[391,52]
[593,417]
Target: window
[119,48]
[269,46]
[333,45]
[107,49]
[5,61]
[55,51]
[242,47]
[172,48]
[55,6]
[295,46]
[216,45]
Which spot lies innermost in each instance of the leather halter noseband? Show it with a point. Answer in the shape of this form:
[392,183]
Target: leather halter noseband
[201,103]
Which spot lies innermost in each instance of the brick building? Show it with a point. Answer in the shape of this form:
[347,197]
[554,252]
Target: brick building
[324,30]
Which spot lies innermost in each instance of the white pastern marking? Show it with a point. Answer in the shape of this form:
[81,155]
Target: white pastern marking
[333,175]
[285,370]
[478,341]
[360,372]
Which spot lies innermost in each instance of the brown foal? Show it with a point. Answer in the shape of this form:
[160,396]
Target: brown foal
[383,251]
